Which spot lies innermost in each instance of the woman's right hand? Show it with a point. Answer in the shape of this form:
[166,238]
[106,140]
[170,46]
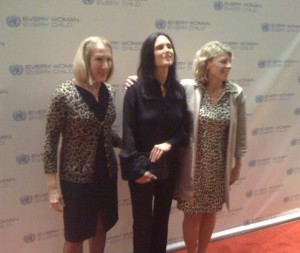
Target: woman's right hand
[55,196]
[158,150]
[131,80]
[147,178]
[56,199]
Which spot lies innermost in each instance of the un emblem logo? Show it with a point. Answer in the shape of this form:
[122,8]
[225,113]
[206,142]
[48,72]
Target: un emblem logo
[249,194]
[294,142]
[289,171]
[262,64]
[23,159]
[286,199]
[160,24]
[29,238]
[297,111]
[265,27]
[13,21]
[252,163]
[218,5]
[19,115]
[255,131]
[247,222]
[259,98]
[26,199]
[16,69]
[88,2]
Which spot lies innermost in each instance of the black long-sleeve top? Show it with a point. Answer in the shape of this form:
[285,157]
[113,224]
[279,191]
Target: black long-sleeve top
[151,121]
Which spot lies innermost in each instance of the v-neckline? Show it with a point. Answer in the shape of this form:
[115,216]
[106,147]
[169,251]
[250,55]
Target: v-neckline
[100,107]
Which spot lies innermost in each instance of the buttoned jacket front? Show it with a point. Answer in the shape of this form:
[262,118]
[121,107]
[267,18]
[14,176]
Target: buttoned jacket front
[70,117]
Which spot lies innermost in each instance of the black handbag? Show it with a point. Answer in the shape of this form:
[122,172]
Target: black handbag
[159,168]
[134,164]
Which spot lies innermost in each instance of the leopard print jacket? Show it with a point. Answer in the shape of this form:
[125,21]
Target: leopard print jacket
[70,117]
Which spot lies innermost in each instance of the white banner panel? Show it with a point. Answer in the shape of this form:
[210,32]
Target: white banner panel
[38,40]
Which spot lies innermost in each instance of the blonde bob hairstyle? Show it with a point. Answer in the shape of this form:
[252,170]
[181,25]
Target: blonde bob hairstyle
[81,63]
[204,54]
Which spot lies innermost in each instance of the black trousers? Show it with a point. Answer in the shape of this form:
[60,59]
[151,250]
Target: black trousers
[151,204]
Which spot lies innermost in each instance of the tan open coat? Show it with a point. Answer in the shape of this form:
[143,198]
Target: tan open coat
[236,143]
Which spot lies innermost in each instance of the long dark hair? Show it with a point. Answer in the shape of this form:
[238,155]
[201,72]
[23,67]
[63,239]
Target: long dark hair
[146,69]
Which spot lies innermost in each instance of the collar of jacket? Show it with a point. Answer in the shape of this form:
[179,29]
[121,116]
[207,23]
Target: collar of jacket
[231,87]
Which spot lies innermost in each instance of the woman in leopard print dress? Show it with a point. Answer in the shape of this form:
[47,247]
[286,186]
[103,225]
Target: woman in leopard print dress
[81,113]
[212,162]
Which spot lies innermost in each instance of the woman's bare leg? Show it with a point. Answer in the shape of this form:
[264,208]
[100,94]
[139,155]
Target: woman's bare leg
[73,247]
[205,231]
[190,228]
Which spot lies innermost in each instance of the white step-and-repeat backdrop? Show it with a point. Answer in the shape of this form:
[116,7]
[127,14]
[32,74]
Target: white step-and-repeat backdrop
[38,40]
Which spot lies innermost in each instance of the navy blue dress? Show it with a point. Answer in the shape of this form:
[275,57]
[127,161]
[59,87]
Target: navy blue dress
[84,201]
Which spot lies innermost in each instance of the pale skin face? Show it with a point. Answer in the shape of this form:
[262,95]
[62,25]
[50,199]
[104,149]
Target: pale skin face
[163,52]
[100,63]
[218,68]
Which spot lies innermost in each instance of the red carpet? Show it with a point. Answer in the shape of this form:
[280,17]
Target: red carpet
[283,238]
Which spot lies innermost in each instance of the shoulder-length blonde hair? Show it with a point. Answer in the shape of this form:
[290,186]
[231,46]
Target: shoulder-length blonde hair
[205,53]
[81,63]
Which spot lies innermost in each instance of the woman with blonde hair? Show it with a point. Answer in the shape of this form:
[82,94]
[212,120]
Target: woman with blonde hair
[212,161]
[81,113]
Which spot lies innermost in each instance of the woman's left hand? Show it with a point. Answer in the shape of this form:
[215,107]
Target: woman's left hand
[235,172]
[158,150]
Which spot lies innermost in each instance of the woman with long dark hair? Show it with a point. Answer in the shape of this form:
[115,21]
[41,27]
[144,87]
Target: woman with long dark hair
[154,126]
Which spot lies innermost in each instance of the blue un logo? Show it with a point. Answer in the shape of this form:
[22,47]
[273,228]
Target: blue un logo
[265,27]
[16,69]
[255,131]
[262,64]
[26,199]
[294,142]
[19,115]
[249,194]
[252,163]
[218,5]
[247,222]
[259,98]
[286,199]
[23,159]
[160,24]
[29,238]
[88,2]
[13,21]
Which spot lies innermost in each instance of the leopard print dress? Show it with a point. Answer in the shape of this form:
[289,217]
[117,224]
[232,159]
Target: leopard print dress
[209,175]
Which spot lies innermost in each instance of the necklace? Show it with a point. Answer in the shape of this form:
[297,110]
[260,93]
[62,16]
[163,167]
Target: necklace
[215,95]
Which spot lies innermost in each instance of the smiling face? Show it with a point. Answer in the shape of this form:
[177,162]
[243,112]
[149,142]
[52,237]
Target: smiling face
[100,63]
[218,68]
[163,52]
